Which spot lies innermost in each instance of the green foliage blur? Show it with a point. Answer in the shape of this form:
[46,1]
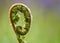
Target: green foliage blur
[45,27]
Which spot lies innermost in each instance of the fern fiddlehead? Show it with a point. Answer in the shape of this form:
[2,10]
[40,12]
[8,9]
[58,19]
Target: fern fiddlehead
[20,30]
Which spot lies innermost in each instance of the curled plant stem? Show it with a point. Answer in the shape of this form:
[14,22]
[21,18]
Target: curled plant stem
[14,19]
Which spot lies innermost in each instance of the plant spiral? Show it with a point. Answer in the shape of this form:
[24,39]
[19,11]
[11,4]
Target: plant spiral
[14,19]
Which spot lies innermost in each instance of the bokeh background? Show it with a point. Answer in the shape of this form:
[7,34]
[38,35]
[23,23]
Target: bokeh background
[45,26]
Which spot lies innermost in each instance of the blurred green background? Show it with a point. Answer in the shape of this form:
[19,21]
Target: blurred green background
[45,26]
